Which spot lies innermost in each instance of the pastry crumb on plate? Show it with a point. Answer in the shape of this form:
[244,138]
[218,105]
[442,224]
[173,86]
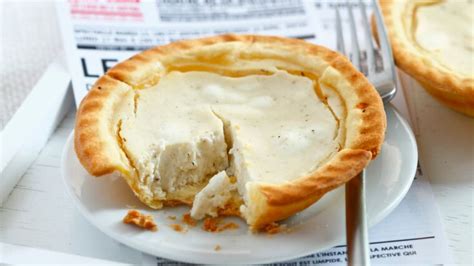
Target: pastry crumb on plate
[215,225]
[187,219]
[141,220]
[178,228]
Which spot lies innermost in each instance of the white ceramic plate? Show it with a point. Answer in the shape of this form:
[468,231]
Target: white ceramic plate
[105,201]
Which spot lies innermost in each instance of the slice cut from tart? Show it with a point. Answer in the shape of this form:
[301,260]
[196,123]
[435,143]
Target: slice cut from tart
[255,126]
[433,41]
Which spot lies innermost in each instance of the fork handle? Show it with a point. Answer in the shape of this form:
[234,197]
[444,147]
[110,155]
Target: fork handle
[356,222]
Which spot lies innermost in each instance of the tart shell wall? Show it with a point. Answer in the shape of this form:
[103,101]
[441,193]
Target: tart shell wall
[98,151]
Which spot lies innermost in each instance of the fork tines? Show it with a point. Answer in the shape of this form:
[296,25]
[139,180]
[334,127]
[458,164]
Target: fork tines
[375,63]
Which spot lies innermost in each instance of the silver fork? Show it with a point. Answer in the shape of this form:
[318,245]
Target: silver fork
[381,74]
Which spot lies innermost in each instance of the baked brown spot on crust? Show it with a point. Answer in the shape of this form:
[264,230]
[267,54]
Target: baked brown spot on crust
[217,248]
[138,219]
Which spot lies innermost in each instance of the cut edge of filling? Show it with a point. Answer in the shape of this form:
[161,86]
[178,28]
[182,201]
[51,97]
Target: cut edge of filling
[227,173]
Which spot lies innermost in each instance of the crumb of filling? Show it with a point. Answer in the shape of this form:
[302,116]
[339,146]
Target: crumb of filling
[178,228]
[187,219]
[215,225]
[172,217]
[141,220]
[274,228]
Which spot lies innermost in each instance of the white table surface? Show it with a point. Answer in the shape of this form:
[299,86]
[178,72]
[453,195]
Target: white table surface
[446,149]
[22,63]
[39,214]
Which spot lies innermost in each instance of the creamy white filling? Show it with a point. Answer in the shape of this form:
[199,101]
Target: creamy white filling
[276,126]
[445,30]
[212,197]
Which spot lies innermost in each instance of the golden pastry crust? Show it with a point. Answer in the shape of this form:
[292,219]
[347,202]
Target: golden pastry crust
[240,55]
[278,202]
[452,89]
[141,220]
[94,144]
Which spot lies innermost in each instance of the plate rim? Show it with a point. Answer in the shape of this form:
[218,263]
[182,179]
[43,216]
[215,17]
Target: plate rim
[414,165]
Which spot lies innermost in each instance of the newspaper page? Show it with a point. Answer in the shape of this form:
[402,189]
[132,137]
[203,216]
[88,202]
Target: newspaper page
[97,34]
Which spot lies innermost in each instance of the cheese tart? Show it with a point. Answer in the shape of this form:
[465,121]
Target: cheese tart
[433,41]
[255,126]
